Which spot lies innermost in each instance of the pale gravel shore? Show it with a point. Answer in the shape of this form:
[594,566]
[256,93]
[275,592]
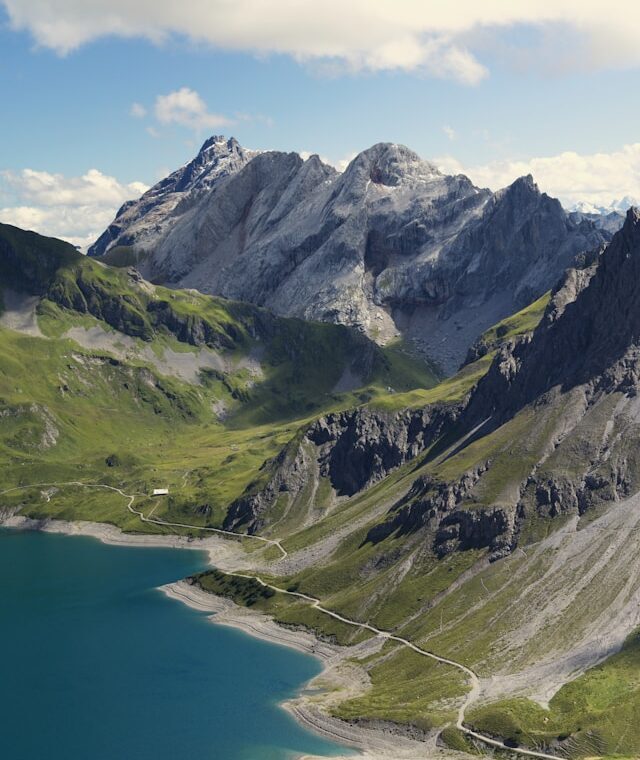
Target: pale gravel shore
[339,676]
[223,553]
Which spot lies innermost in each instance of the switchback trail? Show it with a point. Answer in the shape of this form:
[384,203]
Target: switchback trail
[471,696]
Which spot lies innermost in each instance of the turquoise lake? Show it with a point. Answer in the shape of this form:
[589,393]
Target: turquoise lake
[97,664]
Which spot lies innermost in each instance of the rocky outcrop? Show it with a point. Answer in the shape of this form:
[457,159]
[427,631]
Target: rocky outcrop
[589,336]
[556,496]
[360,447]
[425,504]
[464,529]
[437,509]
[282,476]
[391,245]
[352,449]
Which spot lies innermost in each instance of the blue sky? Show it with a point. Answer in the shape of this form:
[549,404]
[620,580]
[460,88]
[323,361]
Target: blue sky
[518,102]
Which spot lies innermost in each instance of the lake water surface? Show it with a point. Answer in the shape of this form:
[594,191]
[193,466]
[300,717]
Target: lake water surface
[96,664]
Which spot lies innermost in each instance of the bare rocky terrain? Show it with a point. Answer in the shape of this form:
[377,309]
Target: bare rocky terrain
[391,245]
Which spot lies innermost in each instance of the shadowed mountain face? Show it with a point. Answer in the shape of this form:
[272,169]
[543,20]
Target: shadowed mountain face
[392,245]
[589,336]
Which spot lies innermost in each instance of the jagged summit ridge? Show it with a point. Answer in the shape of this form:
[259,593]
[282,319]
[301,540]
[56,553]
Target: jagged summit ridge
[218,157]
[588,337]
[392,245]
[144,221]
[392,165]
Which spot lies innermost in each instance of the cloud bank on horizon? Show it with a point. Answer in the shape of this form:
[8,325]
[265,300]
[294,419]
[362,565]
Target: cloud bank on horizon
[72,208]
[443,40]
[598,179]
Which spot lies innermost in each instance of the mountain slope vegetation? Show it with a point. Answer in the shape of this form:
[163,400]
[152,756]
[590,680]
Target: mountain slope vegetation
[498,528]
[141,385]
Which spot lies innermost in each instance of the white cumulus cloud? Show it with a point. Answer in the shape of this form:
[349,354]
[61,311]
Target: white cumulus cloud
[73,208]
[428,36]
[596,178]
[187,108]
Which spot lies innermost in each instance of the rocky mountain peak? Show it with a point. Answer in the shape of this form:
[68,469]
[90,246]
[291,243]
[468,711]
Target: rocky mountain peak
[143,221]
[391,245]
[391,165]
[522,190]
[217,158]
[526,181]
[631,228]
[218,142]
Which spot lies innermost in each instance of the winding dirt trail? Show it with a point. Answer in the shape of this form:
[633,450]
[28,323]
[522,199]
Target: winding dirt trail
[149,519]
[471,696]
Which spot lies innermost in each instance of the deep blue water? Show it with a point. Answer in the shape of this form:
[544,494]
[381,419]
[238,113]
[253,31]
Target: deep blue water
[96,664]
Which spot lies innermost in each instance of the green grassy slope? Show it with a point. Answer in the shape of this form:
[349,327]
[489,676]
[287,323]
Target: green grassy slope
[156,429]
[595,715]
[522,322]
[482,612]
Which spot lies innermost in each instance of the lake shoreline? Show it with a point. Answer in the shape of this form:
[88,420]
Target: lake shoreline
[227,553]
[309,707]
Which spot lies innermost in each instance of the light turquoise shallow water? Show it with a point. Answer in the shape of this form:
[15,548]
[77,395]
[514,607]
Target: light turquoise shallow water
[96,664]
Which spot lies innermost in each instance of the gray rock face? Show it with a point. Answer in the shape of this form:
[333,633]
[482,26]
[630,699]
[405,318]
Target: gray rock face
[360,447]
[589,335]
[430,504]
[581,367]
[579,373]
[392,245]
[476,529]
[144,222]
[352,449]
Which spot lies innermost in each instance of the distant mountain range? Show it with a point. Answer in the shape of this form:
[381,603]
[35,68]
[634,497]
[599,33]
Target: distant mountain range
[391,245]
[608,218]
[616,206]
